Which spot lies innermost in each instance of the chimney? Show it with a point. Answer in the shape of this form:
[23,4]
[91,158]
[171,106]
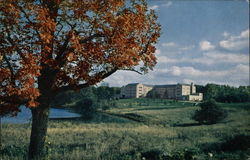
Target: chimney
[192,88]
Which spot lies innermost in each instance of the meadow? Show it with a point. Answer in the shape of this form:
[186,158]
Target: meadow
[138,129]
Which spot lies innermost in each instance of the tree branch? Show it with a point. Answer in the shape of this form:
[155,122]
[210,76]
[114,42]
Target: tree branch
[145,49]
[13,99]
[65,48]
[18,50]
[102,76]
[9,66]
[131,69]
[92,37]
[27,17]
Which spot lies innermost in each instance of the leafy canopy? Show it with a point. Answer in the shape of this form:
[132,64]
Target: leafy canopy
[50,46]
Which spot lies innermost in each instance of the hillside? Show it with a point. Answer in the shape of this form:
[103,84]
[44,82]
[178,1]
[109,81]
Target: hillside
[137,128]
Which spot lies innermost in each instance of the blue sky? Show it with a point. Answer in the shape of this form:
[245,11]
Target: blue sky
[202,41]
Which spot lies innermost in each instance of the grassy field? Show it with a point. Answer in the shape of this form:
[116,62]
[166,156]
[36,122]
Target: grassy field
[139,129]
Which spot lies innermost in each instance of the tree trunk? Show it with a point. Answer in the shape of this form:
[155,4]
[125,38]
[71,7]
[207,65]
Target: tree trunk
[40,116]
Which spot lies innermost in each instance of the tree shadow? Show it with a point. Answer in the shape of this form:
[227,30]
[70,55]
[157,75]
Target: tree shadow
[199,124]
[96,118]
[240,142]
[187,125]
[158,108]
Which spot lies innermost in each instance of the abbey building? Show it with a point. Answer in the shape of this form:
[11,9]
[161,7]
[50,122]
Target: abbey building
[175,91]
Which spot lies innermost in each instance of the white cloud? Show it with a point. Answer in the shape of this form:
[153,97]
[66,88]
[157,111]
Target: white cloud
[187,48]
[158,51]
[168,4]
[175,71]
[208,58]
[169,44]
[189,81]
[227,57]
[190,72]
[206,45]
[154,7]
[226,34]
[244,34]
[211,65]
[236,75]
[165,59]
[235,43]
[232,76]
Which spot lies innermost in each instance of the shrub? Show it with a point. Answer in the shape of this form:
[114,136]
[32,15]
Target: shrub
[105,107]
[152,154]
[86,107]
[209,113]
[238,142]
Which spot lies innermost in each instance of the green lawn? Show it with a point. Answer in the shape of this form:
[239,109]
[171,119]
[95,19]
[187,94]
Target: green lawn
[137,128]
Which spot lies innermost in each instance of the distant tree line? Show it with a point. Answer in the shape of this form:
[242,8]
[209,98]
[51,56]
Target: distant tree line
[87,100]
[224,93]
[94,93]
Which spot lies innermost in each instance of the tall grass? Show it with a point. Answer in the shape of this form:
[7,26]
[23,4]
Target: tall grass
[167,130]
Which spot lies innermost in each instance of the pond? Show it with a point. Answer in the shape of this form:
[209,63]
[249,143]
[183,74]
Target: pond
[63,114]
[25,115]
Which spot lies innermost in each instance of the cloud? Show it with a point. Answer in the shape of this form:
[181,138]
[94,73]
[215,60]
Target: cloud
[168,4]
[227,57]
[192,72]
[236,75]
[176,71]
[236,43]
[154,7]
[244,34]
[226,34]
[165,59]
[169,44]
[207,58]
[232,76]
[172,48]
[207,63]
[187,48]
[206,45]
[158,51]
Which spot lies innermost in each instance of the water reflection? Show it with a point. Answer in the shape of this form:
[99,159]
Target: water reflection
[25,115]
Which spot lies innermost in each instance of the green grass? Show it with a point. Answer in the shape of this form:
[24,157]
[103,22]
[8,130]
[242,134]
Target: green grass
[163,127]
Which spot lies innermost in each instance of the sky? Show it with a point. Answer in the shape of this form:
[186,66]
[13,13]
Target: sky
[202,41]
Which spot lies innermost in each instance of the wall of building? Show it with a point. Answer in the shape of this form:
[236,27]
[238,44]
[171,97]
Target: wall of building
[146,89]
[170,92]
[178,91]
[197,97]
[129,91]
[135,90]
[140,91]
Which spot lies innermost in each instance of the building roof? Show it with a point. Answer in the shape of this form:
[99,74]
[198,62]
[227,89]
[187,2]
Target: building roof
[148,85]
[167,85]
[132,84]
[159,86]
[183,84]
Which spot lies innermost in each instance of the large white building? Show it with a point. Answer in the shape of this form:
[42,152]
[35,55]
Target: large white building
[135,90]
[175,91]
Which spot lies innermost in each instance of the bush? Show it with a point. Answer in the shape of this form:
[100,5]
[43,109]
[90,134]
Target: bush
[156,154]
[86,107]
[105,107]
[238,142]
[209,113]
[152,154]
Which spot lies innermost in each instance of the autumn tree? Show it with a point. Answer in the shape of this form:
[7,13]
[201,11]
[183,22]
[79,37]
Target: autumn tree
[52,46]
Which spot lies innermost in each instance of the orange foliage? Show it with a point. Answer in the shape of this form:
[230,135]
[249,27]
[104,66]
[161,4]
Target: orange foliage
[52,46]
